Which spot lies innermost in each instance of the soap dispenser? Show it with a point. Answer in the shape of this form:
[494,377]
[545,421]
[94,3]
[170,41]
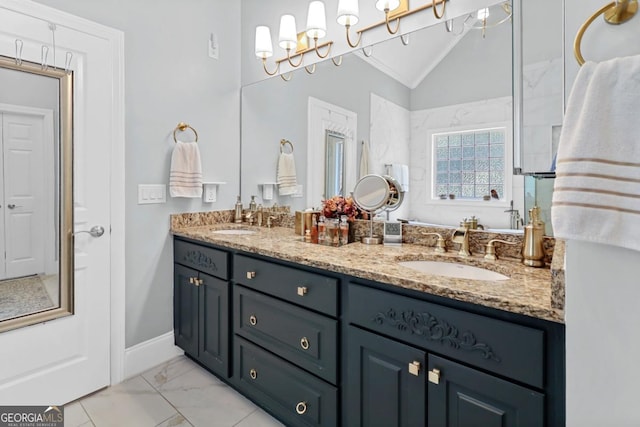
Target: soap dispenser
[237,217]
[533,248]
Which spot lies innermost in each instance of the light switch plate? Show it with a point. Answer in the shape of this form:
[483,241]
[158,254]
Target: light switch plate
[152,193]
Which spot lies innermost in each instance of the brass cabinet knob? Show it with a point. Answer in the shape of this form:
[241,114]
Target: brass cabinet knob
[253,320]
[301,408]
[251,274]
[434,376]
[253,374]
[191,279]
[304,343]
[302,290]
[414,368]
[198,282]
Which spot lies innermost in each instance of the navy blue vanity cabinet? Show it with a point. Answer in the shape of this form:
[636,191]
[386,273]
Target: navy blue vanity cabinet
[286,340]
[460,396]
[386,382]
[201,304]
[414,362]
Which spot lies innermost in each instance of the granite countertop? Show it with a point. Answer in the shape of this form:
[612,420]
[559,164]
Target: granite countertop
[528,290]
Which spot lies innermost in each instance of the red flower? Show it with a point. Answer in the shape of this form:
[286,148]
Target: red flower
[337,206]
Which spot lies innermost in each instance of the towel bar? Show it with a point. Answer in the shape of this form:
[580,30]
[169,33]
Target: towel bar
[615,13]
[182,126]
[284,142]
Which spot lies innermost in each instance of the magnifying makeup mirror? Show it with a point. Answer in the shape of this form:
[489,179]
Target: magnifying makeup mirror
[377,193]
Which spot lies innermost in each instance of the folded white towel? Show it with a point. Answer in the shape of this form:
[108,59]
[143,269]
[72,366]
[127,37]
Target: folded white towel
[185,176]
[401,174]
[596,194]
[364,159]
[287,183]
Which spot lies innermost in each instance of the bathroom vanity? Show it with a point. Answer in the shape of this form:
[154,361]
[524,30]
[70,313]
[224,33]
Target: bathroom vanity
[324,336]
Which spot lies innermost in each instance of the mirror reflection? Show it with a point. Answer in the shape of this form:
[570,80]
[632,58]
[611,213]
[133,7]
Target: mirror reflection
[35,141]
[450,80]
[334,164]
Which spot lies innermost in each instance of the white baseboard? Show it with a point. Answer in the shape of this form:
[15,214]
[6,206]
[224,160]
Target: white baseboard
[150,353]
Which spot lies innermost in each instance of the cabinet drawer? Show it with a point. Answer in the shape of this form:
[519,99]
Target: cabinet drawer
[305,338]
[497,346]
[202,258]
[307,289]
[295,396]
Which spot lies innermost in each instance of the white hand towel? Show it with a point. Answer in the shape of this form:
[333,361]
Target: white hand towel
[185,176]
[364,159]
[287,183]
[401,174]
[596,194]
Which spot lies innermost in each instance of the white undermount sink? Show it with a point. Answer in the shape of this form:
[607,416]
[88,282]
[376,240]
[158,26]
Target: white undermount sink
[449,269]
[236,231]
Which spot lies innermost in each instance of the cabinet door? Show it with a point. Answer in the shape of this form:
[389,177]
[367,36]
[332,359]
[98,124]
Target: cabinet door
[214,324]
[460,396]
[381,392]
[185,309]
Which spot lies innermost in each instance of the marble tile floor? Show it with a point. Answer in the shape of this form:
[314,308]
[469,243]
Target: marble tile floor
[178,393]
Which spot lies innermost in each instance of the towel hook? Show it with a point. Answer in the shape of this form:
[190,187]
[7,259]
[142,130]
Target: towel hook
[19,45]
[284,142]
[182,126]
[615,13]
[67,62]
[43,57]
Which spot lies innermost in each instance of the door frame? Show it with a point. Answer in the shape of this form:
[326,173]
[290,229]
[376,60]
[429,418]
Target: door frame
[50,262]
[117,278]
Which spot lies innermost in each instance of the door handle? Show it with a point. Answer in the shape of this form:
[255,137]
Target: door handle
[95,231]
[12,206]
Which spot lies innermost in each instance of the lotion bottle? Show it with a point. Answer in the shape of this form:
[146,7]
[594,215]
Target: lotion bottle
[237,217]
[532,247]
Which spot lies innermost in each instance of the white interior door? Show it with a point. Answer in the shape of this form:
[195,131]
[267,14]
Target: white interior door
[60,360]
[24,183]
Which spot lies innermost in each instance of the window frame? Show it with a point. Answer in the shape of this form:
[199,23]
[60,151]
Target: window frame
[433,198]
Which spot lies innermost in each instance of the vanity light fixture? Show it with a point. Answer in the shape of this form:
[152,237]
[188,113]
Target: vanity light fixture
[348,15]
[489,17]
[288,39]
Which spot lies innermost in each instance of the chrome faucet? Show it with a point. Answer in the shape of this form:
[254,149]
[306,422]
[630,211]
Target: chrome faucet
[515,221]
[461,235]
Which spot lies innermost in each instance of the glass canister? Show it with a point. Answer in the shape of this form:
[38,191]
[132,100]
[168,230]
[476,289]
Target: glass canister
[344,230]
[332,233]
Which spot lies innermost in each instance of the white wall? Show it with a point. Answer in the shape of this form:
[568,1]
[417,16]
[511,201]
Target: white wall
[603,285]
[169,78]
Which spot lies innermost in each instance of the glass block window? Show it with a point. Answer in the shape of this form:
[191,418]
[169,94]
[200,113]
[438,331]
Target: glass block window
[469,164]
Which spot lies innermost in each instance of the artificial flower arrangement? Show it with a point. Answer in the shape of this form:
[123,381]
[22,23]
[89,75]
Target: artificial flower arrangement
[337,206]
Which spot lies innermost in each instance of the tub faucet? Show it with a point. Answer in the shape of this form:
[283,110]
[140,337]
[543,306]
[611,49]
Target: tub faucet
[461,235]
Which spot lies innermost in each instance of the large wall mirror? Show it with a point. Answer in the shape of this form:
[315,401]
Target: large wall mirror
[36,216]
[450,81]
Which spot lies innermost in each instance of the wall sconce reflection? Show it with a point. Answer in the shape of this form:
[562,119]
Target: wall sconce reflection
[394,10]
[288,39]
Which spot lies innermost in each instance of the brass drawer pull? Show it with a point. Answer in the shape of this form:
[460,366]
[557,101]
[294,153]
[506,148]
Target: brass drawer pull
[253,374]
[251,274]
[414,368]
[253,320]
[304,343]
[302,290]
[434,376]
[301,408]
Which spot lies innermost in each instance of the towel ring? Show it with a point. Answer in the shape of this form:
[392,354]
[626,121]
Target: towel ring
[182,126]
[284,142]
[615,13]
